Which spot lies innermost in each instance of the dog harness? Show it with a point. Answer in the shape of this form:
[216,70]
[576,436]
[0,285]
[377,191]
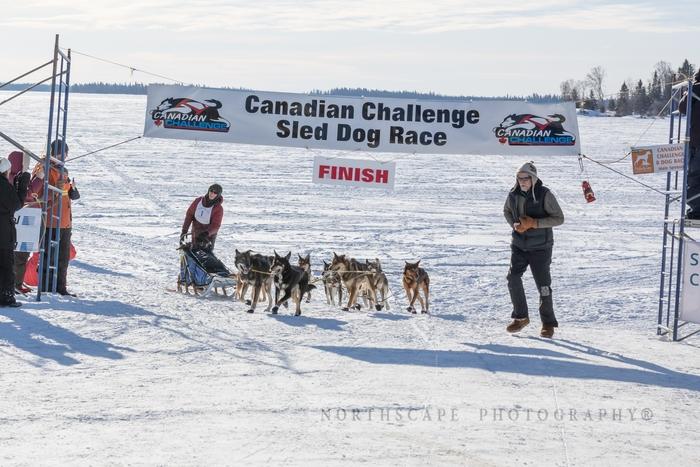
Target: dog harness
[203,214]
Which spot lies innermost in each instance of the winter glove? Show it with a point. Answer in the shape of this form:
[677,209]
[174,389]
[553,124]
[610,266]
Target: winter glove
[183,235]
[21,185]
[73,192]
[526,223]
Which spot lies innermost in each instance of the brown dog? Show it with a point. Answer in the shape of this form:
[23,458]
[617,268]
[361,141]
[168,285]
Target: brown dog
[415,279]
[355,277]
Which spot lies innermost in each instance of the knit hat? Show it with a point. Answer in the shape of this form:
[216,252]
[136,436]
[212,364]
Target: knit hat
[56,147]
[530,169]
[216,188]
[4,165]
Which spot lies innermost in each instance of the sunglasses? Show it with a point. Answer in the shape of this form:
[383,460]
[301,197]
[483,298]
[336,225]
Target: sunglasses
[524,179]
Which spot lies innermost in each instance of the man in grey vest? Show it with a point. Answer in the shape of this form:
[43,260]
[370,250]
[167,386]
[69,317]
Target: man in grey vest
[531,210]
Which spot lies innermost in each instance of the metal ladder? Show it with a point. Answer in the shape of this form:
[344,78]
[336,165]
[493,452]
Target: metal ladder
[58,122]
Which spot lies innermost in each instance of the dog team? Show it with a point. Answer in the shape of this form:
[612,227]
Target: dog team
[262,274]
[366,280]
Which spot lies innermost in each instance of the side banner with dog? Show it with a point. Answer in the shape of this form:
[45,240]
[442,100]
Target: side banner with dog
[657,159]
[366,123]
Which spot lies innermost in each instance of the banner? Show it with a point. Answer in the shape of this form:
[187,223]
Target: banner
[369,124]
[354,172]
[28,225]
[690,298]
[659,158]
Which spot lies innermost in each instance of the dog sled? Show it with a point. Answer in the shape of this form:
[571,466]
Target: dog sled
[202,271]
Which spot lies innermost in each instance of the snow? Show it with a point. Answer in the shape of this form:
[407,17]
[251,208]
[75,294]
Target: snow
[128,373]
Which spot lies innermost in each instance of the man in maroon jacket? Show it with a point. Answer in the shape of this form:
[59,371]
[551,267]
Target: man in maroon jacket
[205,215]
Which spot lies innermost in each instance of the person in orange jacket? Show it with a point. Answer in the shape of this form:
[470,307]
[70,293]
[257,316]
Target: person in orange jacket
[59,149]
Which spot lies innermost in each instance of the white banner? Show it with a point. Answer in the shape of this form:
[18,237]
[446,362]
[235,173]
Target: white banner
[690,298]
[370,124]
[28,224]
[659,158]
[354,172]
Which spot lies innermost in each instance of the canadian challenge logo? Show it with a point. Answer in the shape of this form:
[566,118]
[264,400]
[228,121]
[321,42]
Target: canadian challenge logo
[183,113]
[532,130]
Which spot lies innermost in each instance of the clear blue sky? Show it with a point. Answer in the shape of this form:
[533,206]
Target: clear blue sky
[477,47]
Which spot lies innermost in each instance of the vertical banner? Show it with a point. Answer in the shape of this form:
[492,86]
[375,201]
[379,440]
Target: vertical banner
[362,123]
[690,298]
[354,172]
[28,224]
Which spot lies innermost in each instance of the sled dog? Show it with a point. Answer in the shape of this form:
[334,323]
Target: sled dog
[331,284]
[380,283]
[305,264]
[415,279]
[253,271]
[355,277]
[292,281]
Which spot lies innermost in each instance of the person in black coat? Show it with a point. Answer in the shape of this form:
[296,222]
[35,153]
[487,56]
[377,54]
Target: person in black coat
[11,200]
[693,193]
[532,210]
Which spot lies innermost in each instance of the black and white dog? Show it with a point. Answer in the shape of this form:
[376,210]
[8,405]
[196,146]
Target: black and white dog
[292,281]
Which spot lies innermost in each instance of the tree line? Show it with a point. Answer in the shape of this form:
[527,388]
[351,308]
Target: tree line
[137,88]
[634,97]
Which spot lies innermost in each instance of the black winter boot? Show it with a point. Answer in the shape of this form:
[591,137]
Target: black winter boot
[7,299]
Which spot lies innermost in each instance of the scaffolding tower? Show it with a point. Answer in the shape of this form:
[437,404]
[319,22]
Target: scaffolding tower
[49,245]
[677,230]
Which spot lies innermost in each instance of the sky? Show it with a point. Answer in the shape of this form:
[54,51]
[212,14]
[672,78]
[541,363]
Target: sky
[453,47]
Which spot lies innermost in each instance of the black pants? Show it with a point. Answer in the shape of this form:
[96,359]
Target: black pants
[21,258]
[7,275]
[63,257]
[539,262]
[694,183]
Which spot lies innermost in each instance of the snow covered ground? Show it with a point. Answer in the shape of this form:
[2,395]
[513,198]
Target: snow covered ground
[128,373]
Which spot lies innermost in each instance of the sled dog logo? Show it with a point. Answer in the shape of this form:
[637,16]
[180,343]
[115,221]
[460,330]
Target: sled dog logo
[183,113]
[642,161]
[533,130]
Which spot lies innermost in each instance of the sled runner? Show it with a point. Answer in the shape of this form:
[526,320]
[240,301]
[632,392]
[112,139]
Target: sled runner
[203,271]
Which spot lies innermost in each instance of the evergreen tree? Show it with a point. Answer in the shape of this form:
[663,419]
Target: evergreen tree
[656,102]
[622,107]
[686,70]
[591,103]
[640,101]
